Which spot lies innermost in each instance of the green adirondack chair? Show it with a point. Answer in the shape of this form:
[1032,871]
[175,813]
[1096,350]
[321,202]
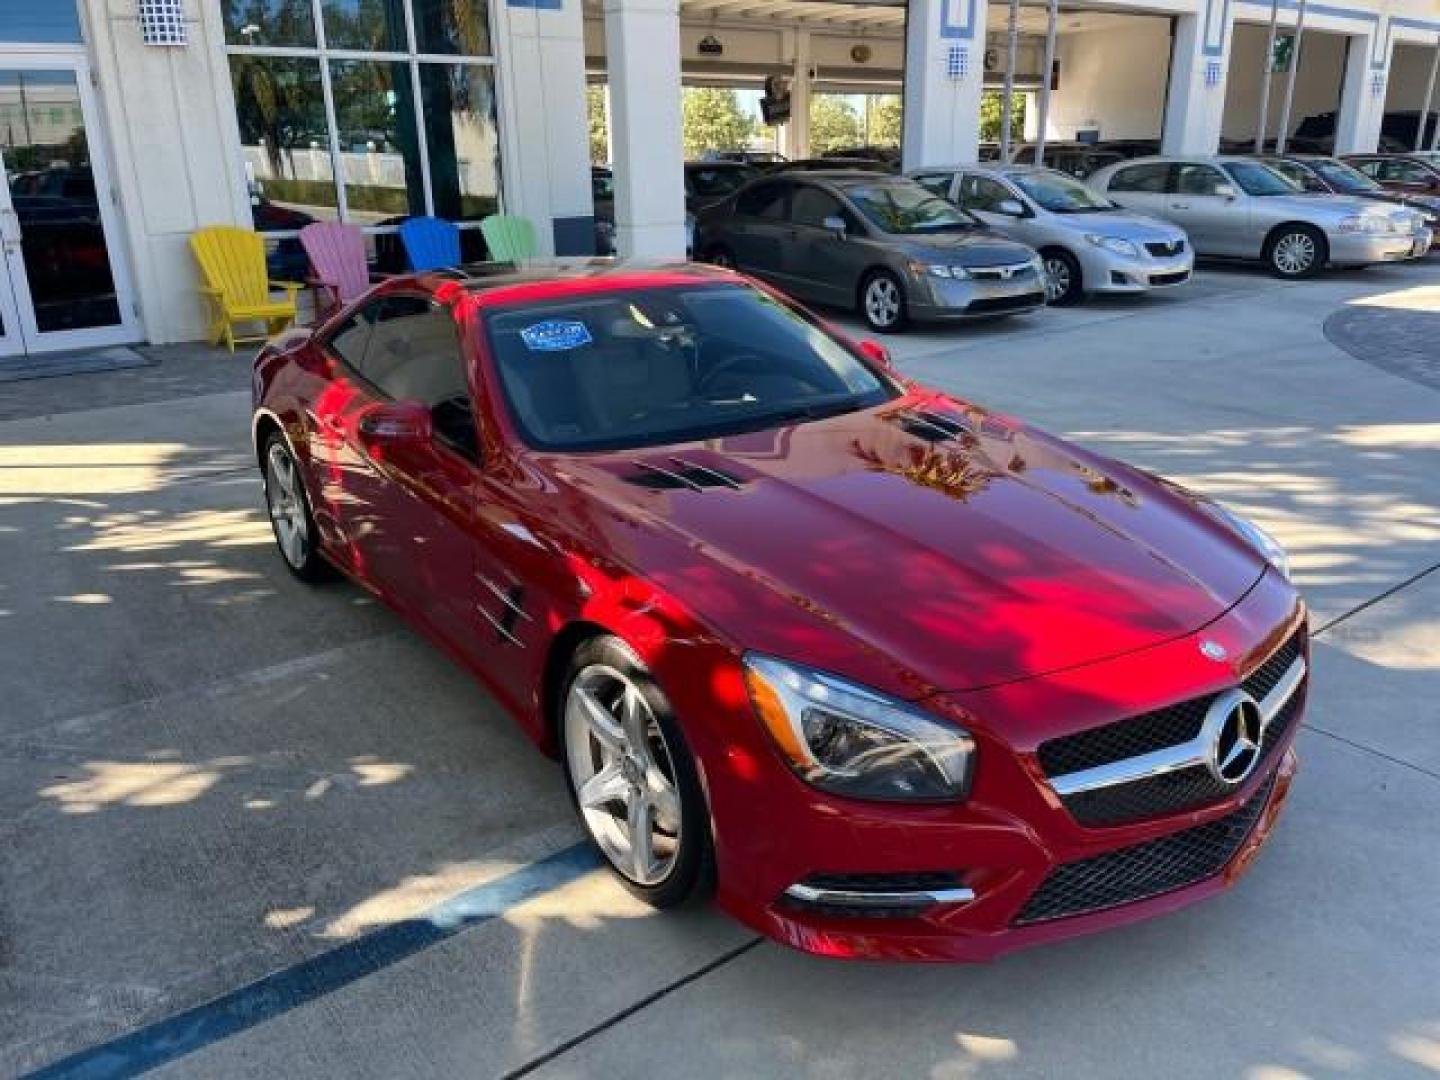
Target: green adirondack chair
[510,238]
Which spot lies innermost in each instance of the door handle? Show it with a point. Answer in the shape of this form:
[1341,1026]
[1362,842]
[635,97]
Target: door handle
[1179,206]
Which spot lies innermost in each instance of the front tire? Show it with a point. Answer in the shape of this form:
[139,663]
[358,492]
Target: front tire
[631,776]
[290,518]
[882,302]
[1296,251]
[1064,284]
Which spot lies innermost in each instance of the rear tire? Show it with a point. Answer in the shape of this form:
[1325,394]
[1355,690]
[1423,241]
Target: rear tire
[882,302]
[1296,251]
[1064,284]
[628,768]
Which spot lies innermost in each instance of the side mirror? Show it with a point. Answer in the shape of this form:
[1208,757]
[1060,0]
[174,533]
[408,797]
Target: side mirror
[1010,208]
[1225,191]
[836,224]
[877,353]
[398,424]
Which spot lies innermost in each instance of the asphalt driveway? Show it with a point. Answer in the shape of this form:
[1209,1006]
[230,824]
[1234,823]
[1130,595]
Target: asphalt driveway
[251,829]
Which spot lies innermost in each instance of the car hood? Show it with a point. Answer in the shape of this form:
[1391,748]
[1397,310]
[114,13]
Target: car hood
[971,247]
[1122,224]
[878,546]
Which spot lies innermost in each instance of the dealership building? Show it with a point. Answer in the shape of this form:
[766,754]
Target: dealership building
[125,125]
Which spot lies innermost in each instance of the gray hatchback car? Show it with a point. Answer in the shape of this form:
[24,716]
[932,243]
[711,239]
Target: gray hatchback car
[1089,244]
[881,244]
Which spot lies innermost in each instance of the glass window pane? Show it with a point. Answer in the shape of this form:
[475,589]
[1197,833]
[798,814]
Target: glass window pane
[39,20]
[463,139]
[268,22]
[372,25]
[452,27]
[281,112]
[375,117]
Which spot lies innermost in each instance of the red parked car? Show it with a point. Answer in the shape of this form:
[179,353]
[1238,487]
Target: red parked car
[896,675]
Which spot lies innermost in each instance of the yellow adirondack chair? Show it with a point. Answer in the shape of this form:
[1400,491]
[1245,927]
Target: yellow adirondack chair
[237,288]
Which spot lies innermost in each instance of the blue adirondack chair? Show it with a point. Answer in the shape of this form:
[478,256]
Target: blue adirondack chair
[430,243]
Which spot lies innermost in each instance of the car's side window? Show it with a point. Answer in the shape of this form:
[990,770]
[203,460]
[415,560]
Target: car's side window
[1296,175]
[811,206]
[350,338]
[764,200]
[1370,167]
[938,182]
[1198,180]
[982,193]
[1405,172]
[1150,178]
[414,355]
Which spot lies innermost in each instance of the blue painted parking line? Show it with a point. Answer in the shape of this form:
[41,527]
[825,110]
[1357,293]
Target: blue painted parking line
[173,1037]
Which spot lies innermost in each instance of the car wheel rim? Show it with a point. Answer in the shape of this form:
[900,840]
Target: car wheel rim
[287,510]
[882,302]
[1294,253]
[1057,279]
[623,774]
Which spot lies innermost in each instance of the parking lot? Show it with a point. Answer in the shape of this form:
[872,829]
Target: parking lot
[252,829]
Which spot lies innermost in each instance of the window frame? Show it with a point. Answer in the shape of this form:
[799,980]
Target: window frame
[412,58]
[1167,184]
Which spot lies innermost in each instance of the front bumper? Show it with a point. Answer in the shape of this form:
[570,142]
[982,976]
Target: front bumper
[1104,271]
[1357,249]
[933,299]
[1003,844]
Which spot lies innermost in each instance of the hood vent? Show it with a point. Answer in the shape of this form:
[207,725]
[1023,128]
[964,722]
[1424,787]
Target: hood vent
[931,426]
[677,474]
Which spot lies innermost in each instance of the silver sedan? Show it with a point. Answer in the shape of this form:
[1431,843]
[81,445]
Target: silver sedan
[1089,244]
[1238,207]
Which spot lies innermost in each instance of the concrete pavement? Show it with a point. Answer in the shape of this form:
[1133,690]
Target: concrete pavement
[209,773]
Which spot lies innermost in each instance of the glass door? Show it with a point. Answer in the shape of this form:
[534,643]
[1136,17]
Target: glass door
[62,282]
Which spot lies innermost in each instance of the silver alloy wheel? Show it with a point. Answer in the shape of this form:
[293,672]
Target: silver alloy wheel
[287,508]
[623,775]
[1294,253]
[882,302]
[1057,278]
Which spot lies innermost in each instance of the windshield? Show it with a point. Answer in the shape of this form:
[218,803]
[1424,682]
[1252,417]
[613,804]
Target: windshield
[1059,193]
[1344,178]
[642,367]
[905,207]
[1257,179]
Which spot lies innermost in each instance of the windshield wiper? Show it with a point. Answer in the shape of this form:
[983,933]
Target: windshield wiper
[816,410]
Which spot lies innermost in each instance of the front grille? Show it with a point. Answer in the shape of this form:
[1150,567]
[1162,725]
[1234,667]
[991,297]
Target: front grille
[1165,248]
[1144,870]
[1005,303]
[1170,279]
[1018,272]
[1169,793]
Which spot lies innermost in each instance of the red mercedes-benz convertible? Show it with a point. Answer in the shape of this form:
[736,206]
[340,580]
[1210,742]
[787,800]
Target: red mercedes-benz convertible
[894,675]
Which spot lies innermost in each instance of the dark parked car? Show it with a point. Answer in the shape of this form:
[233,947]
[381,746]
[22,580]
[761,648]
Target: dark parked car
[1328,175]
[830,164]
[886,155]
[882,244]
[1415,173]
[762,158]
[1397,130]
[706,182]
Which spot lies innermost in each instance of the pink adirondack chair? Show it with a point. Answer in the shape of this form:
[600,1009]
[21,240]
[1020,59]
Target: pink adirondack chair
[339,272]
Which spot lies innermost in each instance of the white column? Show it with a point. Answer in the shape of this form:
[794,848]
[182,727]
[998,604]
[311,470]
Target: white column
[1199,63]
[546,161]
[1362,95]
[944,77]
[795,135]
[642,46]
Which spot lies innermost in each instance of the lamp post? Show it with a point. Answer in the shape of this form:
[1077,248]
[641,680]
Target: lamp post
[1006,105]
[1267,73]
[1284,133]
[1052,19]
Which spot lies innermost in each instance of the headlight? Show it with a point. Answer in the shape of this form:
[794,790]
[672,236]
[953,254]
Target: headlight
[941,270]
[844,738]
[1268,547]
[1116,244]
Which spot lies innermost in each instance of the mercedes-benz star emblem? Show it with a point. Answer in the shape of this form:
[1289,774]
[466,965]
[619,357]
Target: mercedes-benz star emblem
[1213,650]
[1236,728]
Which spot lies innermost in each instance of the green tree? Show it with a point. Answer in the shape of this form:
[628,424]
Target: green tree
[834,123]
[990,114]
[711,119]
[884,115]
[595,106]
